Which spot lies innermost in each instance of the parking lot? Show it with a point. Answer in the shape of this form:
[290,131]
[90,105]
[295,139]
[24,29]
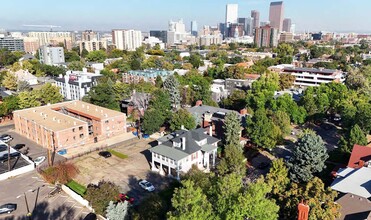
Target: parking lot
[126,173]
[32,188]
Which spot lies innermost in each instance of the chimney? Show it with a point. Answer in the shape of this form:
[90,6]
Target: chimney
[243,111]
[182,127]
[361,163]
[198,103]
[303,209]
[183,143]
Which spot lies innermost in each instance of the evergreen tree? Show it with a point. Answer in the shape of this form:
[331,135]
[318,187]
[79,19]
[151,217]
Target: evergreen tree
[232,129]
[309,157]
[117,211]
[189,202]
[357,136]
[171,85]
[10,81]
[233,161]
[159,82]
[23,86]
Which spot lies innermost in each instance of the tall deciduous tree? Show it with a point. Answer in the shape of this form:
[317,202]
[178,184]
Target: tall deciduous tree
[309,157]
[49,93]
[171,85]
[182,117]
[282,120]
[28,99]
[357,136]
[277,177]
[10,81]
[96,56]
[233,161]
[189,202]
[103,95]
[232,129]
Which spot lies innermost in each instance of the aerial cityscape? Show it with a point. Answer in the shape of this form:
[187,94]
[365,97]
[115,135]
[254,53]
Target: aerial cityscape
[256,110]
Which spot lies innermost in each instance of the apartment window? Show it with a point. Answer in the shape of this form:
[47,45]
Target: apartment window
[80,128]
[73,130]
[81,135]
[106,121]
[74,137]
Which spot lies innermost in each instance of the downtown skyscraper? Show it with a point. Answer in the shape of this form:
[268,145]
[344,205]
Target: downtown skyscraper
[256,16]
[231,14]
[276,14]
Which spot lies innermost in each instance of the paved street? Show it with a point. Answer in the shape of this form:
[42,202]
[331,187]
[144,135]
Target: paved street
[36,190]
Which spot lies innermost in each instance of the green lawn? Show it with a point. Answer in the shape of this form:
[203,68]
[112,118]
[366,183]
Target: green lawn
[78,188]
[118,154]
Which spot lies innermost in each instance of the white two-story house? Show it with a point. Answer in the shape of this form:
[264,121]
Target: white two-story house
[178,151]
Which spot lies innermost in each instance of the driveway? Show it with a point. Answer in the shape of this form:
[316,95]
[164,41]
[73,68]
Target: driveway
[31,188]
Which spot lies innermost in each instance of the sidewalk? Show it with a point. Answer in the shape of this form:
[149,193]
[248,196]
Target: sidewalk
[111,142]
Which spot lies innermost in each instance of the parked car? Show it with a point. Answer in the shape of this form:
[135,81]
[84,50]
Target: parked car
[90,216]
[6,138]
[125,197]
[263,165]
[105,154]
[5,156]
[8,208]
[19,146]
[39,160]
[146,185]
[3,147]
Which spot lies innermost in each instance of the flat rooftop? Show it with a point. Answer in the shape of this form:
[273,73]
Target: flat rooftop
[49,117]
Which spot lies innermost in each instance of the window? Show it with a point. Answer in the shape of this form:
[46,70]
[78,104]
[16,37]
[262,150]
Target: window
[74,137]
[80,128]
[106,122]
[73,130]
[81,135]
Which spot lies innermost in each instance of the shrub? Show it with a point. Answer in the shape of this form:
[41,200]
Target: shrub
[61,173]
[118,154]
[100,195]
[76,187]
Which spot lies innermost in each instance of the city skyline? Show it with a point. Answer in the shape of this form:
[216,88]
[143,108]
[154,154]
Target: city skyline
[78,15]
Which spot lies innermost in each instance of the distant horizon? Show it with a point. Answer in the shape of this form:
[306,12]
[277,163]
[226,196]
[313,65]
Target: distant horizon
[314,15]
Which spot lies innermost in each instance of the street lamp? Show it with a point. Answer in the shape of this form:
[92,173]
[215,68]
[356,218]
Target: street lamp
[29,214]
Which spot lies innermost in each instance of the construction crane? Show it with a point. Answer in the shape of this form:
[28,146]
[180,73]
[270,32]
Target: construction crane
[42,26]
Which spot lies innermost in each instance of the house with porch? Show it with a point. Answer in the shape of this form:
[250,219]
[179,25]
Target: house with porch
[177,152]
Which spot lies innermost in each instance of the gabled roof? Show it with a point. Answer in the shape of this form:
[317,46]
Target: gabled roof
[359,153]
[354,207]
[166,148]
[355,181]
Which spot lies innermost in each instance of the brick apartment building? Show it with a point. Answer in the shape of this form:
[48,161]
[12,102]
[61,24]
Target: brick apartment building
[69,124]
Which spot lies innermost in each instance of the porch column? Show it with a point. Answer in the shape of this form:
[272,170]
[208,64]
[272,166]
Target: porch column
[207,160]
[214,155]
[161,170]
[177,170]
[169,168]
[153,163]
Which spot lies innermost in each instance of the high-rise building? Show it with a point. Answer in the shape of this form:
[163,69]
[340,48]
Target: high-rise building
[51,55]
[92,45]
[177,34]
[286,27]
[89,35]
[162,35]
[11,43]
[247,24]
[286,37]
[276,13]
[54,38]
[194,28]
[235,30]
[231,14]
[127,39]
[292,28]
[256,16]
[266,36]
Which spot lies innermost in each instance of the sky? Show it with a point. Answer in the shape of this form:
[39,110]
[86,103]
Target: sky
[145,15]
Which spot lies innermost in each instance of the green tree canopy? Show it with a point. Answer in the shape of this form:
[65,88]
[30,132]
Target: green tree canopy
[10,81]
[182,117]
[49,93]
[309,157]
[171,85]
[232,129]
[96,56]
[103,95]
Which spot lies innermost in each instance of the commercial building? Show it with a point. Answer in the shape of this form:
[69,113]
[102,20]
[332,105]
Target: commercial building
[248,24]
[177,152]
[54,38]
[266,36]
[11,43]
[276,14]
[51,55]
[92,45]
[177,35]
[231,13]
[194,28]
[74,85]
[31,44]
[256,16]
[235,30]
[153,41]
[127,39]
[68,124]
[162,35]
[286,37]
[149,75]
[210,30]
[305,77]
[207,40]
[286,26]
[89,35]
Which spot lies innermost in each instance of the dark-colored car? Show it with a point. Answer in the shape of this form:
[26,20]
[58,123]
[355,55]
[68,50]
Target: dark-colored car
[6,138]
[105,154]
[263,165]
[19,146]
[90,216]
[3,148]
[8,208]
[5,156]
[125,197]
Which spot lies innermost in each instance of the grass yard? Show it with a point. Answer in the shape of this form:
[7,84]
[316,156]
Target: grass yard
[118,154]
[78,188]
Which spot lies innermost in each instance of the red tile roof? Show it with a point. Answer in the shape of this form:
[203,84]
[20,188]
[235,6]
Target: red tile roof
[359,153]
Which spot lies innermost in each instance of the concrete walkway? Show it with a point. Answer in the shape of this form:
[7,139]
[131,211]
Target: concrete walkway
[111,142]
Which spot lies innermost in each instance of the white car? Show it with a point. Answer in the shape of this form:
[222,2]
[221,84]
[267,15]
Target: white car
[39,160]
[146,185]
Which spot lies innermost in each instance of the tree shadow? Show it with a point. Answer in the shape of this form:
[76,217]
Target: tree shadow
[148,156]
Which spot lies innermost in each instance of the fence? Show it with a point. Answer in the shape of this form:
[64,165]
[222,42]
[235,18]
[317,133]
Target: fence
[17,172]
[76,197]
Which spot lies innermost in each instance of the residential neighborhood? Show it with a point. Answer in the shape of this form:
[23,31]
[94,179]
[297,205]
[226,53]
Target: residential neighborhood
[186,110]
